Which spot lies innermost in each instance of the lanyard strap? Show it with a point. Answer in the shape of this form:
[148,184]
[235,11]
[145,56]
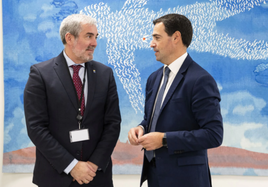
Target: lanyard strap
[79,117]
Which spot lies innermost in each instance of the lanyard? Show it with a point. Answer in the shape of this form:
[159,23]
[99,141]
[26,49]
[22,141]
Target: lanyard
[79,116]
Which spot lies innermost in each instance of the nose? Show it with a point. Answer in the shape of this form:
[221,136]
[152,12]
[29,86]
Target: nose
[152,44]
[94,42]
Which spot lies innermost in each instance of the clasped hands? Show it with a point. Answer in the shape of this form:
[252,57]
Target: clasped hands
[150,141]
[84,172]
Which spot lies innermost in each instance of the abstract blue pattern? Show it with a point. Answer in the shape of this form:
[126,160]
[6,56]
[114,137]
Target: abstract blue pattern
[230,41]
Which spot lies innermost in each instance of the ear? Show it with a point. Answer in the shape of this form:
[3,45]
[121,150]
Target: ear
[69,38]
[177,37]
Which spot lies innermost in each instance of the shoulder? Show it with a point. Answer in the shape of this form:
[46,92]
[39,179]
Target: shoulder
[195,71]
[203,84]
[48,64]
[98,66]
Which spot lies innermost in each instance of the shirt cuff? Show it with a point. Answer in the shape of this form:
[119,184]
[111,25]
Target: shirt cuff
[71,166]
[142,128]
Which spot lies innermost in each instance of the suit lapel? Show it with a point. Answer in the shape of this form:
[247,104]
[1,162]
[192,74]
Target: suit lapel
[63,73]
[177,80]
[91,84]
[155,87]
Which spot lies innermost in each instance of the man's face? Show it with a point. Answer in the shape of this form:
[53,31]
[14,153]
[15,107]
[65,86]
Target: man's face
[162,44]
[84,45]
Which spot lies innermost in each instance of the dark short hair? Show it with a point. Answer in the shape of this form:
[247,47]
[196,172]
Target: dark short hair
[177,22]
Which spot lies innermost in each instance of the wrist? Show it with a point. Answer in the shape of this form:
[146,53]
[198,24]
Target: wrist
[164,140]
[140,126]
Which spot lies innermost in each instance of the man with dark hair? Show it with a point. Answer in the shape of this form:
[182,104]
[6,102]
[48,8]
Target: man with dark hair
[182,112]
[72,111]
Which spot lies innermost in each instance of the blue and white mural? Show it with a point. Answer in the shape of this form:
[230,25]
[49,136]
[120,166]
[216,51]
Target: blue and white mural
[230,41]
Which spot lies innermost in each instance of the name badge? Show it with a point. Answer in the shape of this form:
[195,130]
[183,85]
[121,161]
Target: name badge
[79,135]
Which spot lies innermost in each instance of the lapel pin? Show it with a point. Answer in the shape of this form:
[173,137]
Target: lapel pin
[94,71]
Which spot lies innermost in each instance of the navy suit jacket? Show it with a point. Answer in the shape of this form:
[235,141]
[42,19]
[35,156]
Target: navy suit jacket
[191,118]
[51,105]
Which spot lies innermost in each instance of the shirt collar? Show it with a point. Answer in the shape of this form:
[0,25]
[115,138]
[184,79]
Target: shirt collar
[176,65]
[69,61]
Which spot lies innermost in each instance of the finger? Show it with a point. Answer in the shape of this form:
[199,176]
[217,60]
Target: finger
[142,139]
[86,181]
[89,178]
[92,174]
[145,143]
[93,166]
[132,139]
[140,134]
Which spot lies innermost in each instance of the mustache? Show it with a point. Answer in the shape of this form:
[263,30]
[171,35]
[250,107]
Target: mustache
[90,48]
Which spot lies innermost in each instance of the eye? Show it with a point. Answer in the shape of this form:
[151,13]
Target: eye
[156,37]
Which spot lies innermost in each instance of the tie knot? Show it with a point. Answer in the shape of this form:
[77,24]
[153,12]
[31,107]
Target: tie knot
[167,71]
[76,68]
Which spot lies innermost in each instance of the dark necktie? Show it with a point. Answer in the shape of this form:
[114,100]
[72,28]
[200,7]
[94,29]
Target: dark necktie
[150,154]
[78,86]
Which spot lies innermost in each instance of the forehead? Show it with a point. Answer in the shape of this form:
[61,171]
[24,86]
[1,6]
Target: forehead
[88,28]
[159,29]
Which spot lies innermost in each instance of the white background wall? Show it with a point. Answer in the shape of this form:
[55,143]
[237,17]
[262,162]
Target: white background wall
[24,180]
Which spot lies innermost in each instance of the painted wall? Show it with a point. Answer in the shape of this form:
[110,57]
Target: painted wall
[15,180]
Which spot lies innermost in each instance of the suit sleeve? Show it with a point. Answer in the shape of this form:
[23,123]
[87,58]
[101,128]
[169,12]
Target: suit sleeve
[112,119]
[205,108]
[37,121]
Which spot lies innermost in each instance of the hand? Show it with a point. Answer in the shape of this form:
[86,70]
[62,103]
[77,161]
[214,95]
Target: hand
[83,172]
[94,166]
[151,141]
[134,134]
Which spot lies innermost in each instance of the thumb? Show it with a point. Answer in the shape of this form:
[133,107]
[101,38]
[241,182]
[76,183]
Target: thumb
[140,132]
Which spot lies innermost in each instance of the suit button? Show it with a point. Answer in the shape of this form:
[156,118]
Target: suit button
[78,153]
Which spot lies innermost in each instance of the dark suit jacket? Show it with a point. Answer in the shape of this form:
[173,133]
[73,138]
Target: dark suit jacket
[190,116]
[51,104]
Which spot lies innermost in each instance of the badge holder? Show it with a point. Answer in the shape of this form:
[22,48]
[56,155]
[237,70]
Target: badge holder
[80,134]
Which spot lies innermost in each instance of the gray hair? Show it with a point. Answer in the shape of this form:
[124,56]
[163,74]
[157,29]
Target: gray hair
[72,24]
